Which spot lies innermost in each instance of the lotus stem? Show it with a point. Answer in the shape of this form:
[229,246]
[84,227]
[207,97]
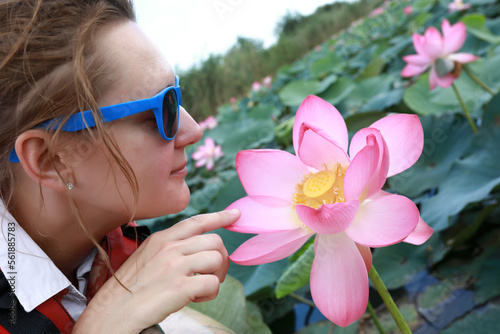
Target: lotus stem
[388,301]
[375,318]
[464,107]
[478,81]
[302,299]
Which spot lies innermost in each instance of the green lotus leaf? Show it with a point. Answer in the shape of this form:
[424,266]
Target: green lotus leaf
[475,25]
[231,309]
[332,63]
[338,91]
[470,179]
[480,321]
[295,92]
[296,275]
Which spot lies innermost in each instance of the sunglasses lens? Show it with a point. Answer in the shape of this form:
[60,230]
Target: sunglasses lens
[170,113]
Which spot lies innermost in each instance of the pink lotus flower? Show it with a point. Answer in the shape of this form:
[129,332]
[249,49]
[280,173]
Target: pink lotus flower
[210,123]
[458,5]
[256,86]
[205,155]
[437,52]
[377,11]
[408,10]
[267,81]
[324,191]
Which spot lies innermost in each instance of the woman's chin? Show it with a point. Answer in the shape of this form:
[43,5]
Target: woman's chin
[165,207]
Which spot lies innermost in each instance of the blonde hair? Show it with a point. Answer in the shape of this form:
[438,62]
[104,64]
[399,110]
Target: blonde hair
[48,69]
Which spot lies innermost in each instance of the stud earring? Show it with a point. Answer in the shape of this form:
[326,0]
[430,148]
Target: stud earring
[69,185]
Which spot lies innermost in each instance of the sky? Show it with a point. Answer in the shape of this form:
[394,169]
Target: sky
[188,31]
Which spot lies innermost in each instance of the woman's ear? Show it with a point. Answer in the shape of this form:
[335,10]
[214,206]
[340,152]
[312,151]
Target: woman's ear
[32,148]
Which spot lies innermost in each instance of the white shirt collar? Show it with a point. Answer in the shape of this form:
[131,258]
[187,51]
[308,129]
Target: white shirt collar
[35,276]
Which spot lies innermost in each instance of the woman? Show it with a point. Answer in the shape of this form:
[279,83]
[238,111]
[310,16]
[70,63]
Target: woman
[73,174]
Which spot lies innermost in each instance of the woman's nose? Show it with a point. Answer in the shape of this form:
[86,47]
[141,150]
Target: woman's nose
[189,131]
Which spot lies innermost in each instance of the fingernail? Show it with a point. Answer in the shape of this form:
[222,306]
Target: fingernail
[233,212]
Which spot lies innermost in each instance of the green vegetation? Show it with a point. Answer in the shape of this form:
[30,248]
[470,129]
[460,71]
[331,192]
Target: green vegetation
[220,77]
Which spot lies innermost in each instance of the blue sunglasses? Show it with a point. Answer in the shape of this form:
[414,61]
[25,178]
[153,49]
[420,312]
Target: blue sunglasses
[165,106]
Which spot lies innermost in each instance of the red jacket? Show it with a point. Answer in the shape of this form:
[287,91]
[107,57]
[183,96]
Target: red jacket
[51,316]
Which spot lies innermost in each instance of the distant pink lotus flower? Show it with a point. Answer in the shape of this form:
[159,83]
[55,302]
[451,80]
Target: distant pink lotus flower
[438,52]
[408,10]
[256,86]
[458,5]
[267,81]
[205,155]
[377,11]
[324,191]
[233,100]
[210,123]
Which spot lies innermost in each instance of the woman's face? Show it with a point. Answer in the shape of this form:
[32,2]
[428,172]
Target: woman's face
[138,71]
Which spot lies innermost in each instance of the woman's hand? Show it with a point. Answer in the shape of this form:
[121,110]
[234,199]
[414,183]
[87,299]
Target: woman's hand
[168,271]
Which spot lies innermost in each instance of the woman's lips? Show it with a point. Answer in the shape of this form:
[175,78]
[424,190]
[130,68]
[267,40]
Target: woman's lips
[181,170]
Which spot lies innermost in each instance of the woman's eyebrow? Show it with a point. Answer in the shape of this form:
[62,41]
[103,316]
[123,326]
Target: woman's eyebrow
[164,87]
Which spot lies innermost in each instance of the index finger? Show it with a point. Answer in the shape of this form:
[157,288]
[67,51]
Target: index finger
[202,223]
